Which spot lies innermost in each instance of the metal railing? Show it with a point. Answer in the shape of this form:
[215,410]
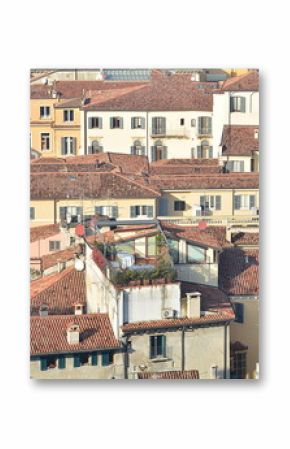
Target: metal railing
[222,220]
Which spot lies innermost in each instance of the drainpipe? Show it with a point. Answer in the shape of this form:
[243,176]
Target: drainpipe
[126,359]
[147,134]
[182,349]
[225,348]
[85,132]
[54,211]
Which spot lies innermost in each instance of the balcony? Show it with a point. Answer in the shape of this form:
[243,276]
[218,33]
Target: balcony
[169,133]
[224,220]
[204,132]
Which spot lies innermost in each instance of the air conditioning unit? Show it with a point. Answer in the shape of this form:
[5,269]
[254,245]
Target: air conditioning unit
[168,313]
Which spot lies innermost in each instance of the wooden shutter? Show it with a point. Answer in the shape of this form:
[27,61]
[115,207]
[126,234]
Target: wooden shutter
[105,359]
[243,104]
[143,151]
[98,210]
[218,202]
[237,202]
[121,122]
[150,211]
[133,149]
[90,122]
[202,200]
[74,145]
[230,165]
[61,362]
[151,347]
[211,199]
[111,122]
[199,125]
[100,119]
[63,146]
[163,345]
[94,359]
[115,211]
[232,104]
[210,152]
[132,122]
[163,125]
[77,361]
[209,120]
[164,152]
[43,363]
[252,201]
[132,211]
[163,207]
[153,154]
[62,213]
[198,151]
[242,166]
[143,122]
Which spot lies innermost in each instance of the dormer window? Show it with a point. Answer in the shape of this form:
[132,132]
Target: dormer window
[238,104]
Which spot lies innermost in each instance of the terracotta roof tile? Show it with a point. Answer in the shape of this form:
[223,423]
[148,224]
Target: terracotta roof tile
[239,140]
[212,298]
[237,276]
[50,260]
[43,232]
[245,239]
[246,82]
[48,334]
[59,292]
[170,375]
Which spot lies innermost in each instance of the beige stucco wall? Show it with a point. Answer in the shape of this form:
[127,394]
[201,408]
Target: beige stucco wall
[204,348]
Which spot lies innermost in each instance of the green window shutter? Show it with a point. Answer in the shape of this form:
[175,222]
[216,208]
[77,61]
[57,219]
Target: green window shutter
[90,122]
[252,201]
[239,312]
[143,151]
[237,202]
[100,122]
[98,210]
[211,201]
[79,213]
[132,122]
[121,123]
[242,166]
[153,154]
[74,145]
[209,125]
[243,104]
[151,347]
[150,211]
[198,151]
[199,125]
[230,166]
[43,363]
[210,152]
[202,200]
[94,359]
[77,361]
[111,122]
[61,362]
[164,153]
[63,146]
[132,211]
[163,207]
[232,104]
[133,150]
[218,202]
[163,345]
[115,211]
[105,359]
[163,125]
[62,213]
[143,122]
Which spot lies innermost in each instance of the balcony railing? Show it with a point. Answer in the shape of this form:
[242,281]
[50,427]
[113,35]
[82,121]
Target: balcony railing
[246,220]
[170,133]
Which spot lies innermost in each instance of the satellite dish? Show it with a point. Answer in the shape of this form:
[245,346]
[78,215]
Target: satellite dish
[79,265]
[80,230]
[202,225]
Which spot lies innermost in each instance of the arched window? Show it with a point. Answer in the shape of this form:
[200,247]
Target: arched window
[137,143]
[95,147]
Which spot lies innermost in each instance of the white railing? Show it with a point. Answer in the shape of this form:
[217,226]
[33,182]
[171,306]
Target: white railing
[221,220]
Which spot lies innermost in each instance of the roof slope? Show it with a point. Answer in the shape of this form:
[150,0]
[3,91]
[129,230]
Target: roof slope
[236,275]
[59,292]
[48,334]
[43,232]
[246,82]
[239,140]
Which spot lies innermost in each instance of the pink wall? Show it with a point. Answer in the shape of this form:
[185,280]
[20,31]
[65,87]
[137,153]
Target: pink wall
[41,247]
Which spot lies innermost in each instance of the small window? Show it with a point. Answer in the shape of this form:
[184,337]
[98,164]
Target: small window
[195,254]
[32,213]
[179,205]
[51,362]
[84,359]
[116,122]
[45,141]
[239,312]
[193,122]
[94,122]
[238,104]
[182,122]
[157,346]
[54,245]
[68,115]
[107,358]
[204,126]
[137,122]
[173,247]
[44,112]
[158,125]
[137,211]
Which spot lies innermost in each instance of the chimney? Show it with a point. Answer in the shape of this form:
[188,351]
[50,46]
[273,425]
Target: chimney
[193,304]
[43,310]
[73,334]
[246,259]
[79,308]
[256,134]
[229,234]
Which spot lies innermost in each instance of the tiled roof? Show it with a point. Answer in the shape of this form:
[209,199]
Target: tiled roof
[245,239]
[170,375]
[184,166]
[59,292]
[76,89]
[212,236]
[236,275]
[43,232]
[215,181]
[88,185]
[212,298]
[246,82]
[178,322]
[48,334]
[162,93]
[50,260]
[239,140]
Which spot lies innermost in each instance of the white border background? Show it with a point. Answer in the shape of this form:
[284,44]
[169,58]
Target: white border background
[144,34]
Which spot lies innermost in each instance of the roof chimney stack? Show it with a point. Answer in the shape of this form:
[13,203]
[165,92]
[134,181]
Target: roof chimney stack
[79,308]
[43,310]
[73,334]
[193,304]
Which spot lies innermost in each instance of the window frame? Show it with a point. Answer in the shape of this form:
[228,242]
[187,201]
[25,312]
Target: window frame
[70,113]
[54,245]
[179,206]
[45,139]
[195,261]
[157,350]
[44,116]
[32,213]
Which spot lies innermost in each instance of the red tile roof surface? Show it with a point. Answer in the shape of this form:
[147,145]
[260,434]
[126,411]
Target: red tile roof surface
[236,277]
[239,140]
[170,375]
[212,298]
[43,232]
[59,292]
[48,334]
[245,239]
[246,82]
[50,260]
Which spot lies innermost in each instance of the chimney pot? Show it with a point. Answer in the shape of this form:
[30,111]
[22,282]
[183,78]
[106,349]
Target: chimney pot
[73,334]
[193,304]
[43,310]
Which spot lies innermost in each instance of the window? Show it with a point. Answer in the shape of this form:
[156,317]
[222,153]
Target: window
[68,145]
[51,362]
[44,112]
[54,245]
[235,166]
[158,151]
[182,122]
[32,213]
[61,362]
[95,147]
[107,358]
[179,205]
[193,122]
[158,125]
[116,122]
[68,115]
[137,211]
[81,360]
[204,125]
[238,104]
[195,254]
[110,211]
[204,150]
[128,247]
[239,365]
[95,122]
[137,148]
[239,312]
[173,247]
[71,214]
[137,122]
[208,203]
[45,141]
[94,359]
[157,346]
[244,202]
[151,246]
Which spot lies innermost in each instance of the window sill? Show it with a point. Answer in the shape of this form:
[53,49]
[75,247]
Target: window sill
[159,359]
